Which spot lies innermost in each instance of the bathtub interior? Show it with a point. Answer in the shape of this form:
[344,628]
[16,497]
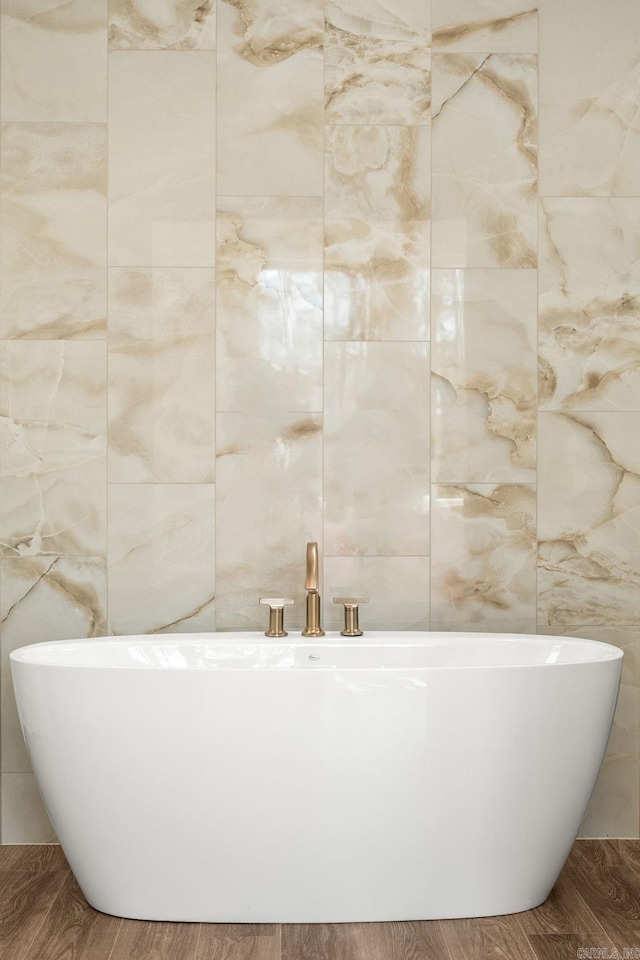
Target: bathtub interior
[375,651]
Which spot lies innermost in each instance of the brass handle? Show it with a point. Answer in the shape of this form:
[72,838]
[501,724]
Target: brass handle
[351,625]
[276,615]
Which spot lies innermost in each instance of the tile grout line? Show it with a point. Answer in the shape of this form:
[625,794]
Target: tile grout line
[108,304]
[215,333]
[430,484]
[323,509]
[537,345]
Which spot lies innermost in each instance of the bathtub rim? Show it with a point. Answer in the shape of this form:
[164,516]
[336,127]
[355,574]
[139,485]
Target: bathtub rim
[26,654]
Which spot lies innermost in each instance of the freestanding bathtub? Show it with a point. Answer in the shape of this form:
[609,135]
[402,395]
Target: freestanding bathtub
[226,777]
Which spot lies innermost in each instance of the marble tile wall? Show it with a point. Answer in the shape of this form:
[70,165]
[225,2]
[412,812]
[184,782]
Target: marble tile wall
[359,271]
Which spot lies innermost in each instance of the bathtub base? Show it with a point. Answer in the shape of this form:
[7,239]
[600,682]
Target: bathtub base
[286,918]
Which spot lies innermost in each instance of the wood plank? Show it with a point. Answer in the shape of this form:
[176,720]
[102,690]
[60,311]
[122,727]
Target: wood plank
[25,900]
[407,940]
[155,940]
[240,930]
[5,853]
[239,941]
[33,858]
[607,879]
[487,938]
[322,941]
[72,930]
[629,852]
[565,946]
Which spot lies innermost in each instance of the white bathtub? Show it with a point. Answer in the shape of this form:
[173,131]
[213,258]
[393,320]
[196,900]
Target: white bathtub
[225,777]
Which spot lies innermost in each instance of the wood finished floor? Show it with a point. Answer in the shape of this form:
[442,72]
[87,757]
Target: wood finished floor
[595,904]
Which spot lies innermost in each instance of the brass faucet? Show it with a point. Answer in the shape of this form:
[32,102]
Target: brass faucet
[313,627]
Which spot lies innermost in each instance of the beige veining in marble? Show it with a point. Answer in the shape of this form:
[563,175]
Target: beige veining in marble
[268,31]
[270,98]
[483,567]
[589,518]
[589,318]
[53,60]
[53,238]
[484,160]
[161,558]
[52,423]
[269,310]
[373,80]
[51,598]
[269,496]
[376,450]
[399,20]
[485,26]
[376,280]
[162,108]
[483,424]
[162,375]
[614,809]
[165,25]
[397,589]
[590,78]
[377,173]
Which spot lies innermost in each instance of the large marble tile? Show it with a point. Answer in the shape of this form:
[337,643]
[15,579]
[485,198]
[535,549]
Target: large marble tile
[269,305]
[377,62]
[42,599]
[589,121]
[54,60]
[161,558]
[376,280]
[590,303]
[270,98]
[614,810]
[484,160]
[162,110]
[170,25]
[53,230]
[377,173]
[13,751]
[397,589]
[484,375]
[589,518]
[24,818]
[483,568]
[52,422]
[269,499]
[376,452]
[485,26]
[161,375]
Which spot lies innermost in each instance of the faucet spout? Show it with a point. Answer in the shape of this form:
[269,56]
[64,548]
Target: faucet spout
[312,580]
[313,626]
